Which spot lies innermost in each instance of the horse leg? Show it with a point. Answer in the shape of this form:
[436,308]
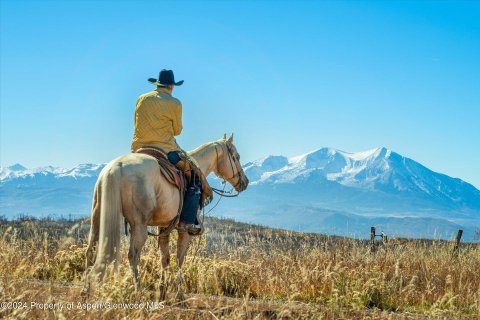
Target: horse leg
[163,242]
[182,247]
[137,240]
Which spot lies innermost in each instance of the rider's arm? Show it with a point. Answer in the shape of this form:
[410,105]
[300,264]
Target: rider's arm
[177,118]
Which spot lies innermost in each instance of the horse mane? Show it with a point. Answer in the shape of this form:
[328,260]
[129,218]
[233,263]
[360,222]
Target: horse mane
[199,150]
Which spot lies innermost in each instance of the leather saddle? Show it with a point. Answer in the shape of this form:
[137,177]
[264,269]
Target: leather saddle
[168,170]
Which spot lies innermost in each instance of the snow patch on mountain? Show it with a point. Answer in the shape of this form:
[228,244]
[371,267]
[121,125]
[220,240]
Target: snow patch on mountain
[335,165]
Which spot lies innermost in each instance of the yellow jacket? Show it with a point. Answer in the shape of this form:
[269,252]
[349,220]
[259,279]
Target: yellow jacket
[158,119]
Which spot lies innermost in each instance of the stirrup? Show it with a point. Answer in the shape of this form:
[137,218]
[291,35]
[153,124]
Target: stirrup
[192,229]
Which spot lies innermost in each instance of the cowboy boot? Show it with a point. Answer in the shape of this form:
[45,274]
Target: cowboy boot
[192,229]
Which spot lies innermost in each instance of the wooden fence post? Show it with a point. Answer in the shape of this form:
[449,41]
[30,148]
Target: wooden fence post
[457,242]
[372,239]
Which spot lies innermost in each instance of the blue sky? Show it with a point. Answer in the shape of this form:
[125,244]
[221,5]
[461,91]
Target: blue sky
[285,77]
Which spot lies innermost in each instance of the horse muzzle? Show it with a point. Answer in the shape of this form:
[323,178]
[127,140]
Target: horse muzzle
[242,184]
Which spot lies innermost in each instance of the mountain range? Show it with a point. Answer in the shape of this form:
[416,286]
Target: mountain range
[327,190]
[47,191]
[338,192]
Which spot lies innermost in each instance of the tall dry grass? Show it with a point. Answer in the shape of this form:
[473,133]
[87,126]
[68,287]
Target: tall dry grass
[242,271]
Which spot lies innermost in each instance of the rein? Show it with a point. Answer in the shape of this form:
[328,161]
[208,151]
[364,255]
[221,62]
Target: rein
[221,192]
[225,194]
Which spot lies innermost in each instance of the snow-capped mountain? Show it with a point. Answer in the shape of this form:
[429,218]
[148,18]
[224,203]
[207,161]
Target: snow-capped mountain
[340,192]
[326,190]
[17,171]
[379,170]
[43,191]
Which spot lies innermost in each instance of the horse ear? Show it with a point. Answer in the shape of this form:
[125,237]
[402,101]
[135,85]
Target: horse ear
[224,136]
[230,139]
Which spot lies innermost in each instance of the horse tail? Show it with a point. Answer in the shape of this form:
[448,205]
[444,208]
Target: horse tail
[110,218]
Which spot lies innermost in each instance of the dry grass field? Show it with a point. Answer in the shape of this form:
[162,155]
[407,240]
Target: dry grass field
[241,272]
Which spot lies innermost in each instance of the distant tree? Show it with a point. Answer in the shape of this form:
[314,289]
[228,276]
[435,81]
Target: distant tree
[25,217]
[477,234]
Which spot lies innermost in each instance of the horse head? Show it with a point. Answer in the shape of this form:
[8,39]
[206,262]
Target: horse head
[228,164]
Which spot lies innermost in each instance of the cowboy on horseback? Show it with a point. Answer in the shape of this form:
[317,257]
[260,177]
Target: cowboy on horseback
[158,119]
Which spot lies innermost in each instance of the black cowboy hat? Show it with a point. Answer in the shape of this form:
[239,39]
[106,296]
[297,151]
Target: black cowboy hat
[165,78]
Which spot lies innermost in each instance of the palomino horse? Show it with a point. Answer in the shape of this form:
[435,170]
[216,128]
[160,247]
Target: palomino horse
[133,188]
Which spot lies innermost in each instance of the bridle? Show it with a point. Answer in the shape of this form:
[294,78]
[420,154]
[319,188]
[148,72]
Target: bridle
[237,172]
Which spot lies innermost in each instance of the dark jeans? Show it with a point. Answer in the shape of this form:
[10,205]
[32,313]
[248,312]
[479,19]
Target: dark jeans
[191,201]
